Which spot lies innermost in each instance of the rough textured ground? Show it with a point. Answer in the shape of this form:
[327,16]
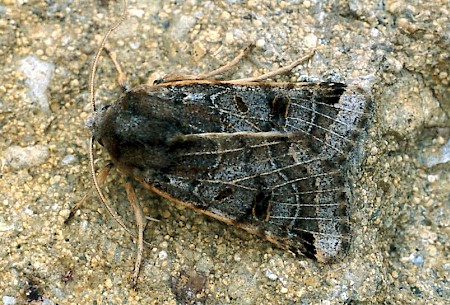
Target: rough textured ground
[398,51]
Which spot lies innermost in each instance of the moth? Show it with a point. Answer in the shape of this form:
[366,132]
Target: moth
[272,158]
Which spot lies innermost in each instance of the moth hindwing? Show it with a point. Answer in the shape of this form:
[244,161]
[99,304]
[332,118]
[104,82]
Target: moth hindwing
[270,158]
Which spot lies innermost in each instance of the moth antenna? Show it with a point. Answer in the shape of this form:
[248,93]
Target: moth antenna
[99,51]
[99,191]
[92,102]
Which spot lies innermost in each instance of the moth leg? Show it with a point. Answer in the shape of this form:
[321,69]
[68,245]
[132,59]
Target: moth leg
[101,178]
[276,72]
[209,75]
[141,223]
[122,77]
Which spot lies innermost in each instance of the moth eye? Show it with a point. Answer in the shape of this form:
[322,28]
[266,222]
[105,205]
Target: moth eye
[240,104]
[224,193]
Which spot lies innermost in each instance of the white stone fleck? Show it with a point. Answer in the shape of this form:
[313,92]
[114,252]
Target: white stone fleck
[270,275]
[310,40]
[7,300]
[260,43]
[19,157]
[182,25]
[162,255]
[432,178]
[69,159]
[136,12]
[38,74]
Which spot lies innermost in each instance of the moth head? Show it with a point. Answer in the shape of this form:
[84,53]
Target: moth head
[94,122]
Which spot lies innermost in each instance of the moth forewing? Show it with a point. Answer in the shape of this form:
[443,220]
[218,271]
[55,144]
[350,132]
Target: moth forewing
[270,158]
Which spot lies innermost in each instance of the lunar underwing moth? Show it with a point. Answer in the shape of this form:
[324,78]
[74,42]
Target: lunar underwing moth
[271,158]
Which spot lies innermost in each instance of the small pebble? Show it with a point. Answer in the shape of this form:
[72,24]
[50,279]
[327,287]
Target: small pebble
[25,157]
[260,43]
[270,275]
[7,300]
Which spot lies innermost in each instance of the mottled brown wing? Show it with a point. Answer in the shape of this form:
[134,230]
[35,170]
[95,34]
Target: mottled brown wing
[273,159]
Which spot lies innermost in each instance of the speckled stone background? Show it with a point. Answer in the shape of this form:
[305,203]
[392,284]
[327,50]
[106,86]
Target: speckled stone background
[397,50]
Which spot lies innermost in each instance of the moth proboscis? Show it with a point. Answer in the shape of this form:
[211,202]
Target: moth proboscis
[272,158]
